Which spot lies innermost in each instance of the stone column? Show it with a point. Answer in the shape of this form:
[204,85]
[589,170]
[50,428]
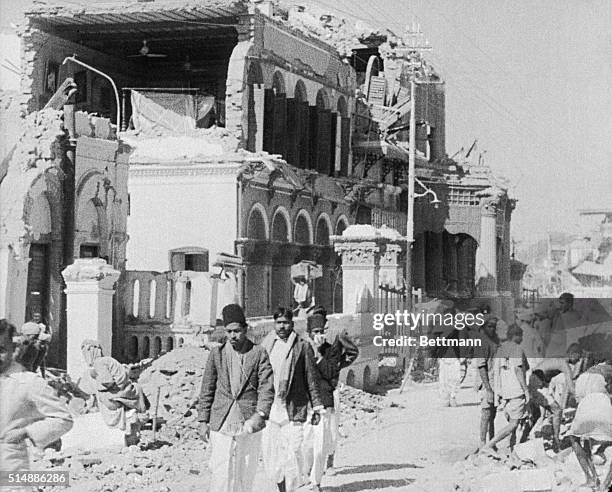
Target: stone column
[367,253]
[486,255]
[89,291]
[13,283]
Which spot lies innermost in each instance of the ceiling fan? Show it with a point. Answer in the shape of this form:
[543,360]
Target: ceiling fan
[145,52]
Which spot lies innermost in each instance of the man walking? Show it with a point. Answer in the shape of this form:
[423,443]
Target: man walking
[235,400]
[320,440]
[511,385]
[296,385]
[484,362]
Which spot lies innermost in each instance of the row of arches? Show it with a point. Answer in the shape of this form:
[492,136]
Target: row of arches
[308,136]
[301,230]
[143,347]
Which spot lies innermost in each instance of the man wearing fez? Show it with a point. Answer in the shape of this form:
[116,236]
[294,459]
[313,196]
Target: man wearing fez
[296,386]
[235,400]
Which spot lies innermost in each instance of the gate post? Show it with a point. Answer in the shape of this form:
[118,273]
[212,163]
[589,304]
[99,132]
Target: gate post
[89,291]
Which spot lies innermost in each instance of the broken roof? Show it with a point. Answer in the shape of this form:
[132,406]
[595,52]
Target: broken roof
[121,16]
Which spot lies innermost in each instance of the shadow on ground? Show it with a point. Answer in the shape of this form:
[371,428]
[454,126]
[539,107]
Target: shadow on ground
[348,470]
[363,485]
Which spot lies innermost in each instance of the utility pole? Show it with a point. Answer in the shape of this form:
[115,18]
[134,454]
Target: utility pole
[410,207]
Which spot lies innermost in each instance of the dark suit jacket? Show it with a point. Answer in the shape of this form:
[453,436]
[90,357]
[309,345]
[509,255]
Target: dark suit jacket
[303,383]
[257,388]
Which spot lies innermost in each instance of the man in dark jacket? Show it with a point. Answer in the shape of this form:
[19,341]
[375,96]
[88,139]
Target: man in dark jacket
[235,400]
[296,386]
[320,441]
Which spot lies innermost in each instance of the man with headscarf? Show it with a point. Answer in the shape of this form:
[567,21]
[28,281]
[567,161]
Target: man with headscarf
[119,399]
[29,407]
[320,440]
[296,386]
[235,400]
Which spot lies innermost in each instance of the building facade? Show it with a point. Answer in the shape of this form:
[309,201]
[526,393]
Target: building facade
[233,130]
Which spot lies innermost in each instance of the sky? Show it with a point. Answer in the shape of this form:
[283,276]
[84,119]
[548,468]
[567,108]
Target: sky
[531,80]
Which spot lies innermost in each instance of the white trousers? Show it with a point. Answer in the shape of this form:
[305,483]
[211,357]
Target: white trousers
[449,375]
[233,461]
[319,442]
[282,453]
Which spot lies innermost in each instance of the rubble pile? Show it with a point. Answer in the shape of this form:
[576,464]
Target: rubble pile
[147,468]
[342,34]
[561,473]
[358,409]
[178,375]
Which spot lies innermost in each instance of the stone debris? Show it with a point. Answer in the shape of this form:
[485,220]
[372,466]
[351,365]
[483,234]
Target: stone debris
[178,375]
[509,473]
[177,459]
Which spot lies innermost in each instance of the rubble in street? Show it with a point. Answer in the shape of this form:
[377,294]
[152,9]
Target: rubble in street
[527,468]
[176,459]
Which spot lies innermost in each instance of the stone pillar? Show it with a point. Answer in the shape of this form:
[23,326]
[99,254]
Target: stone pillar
[13,284]
[89,292]
[486,255]
[368,255]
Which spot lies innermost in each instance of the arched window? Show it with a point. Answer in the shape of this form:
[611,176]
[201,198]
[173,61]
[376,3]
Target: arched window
[146,348]
[170,342]
[341,226]
[322,232]
[133,348]
[322,135]
[157,346]
[302,125]
[257,227]
[275,117]
[280,226]
[303,230]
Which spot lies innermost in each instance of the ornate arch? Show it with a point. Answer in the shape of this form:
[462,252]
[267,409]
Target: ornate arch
[298,228]
[323,100]
[341,224]
[258,210]
[300,92]
[278,83]
[322,235]
[281,214]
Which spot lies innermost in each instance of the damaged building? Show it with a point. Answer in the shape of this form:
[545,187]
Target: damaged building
[211,145]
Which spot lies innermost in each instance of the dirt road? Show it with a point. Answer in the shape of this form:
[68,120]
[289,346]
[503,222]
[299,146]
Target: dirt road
[411,448]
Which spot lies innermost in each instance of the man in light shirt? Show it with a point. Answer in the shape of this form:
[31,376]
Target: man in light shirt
[511,386]
[296,387]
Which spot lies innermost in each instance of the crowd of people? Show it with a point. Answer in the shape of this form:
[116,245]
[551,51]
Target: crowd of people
[525,377]
[277,399]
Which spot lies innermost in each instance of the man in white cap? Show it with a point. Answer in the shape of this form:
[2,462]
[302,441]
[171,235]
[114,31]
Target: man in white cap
[235,400]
